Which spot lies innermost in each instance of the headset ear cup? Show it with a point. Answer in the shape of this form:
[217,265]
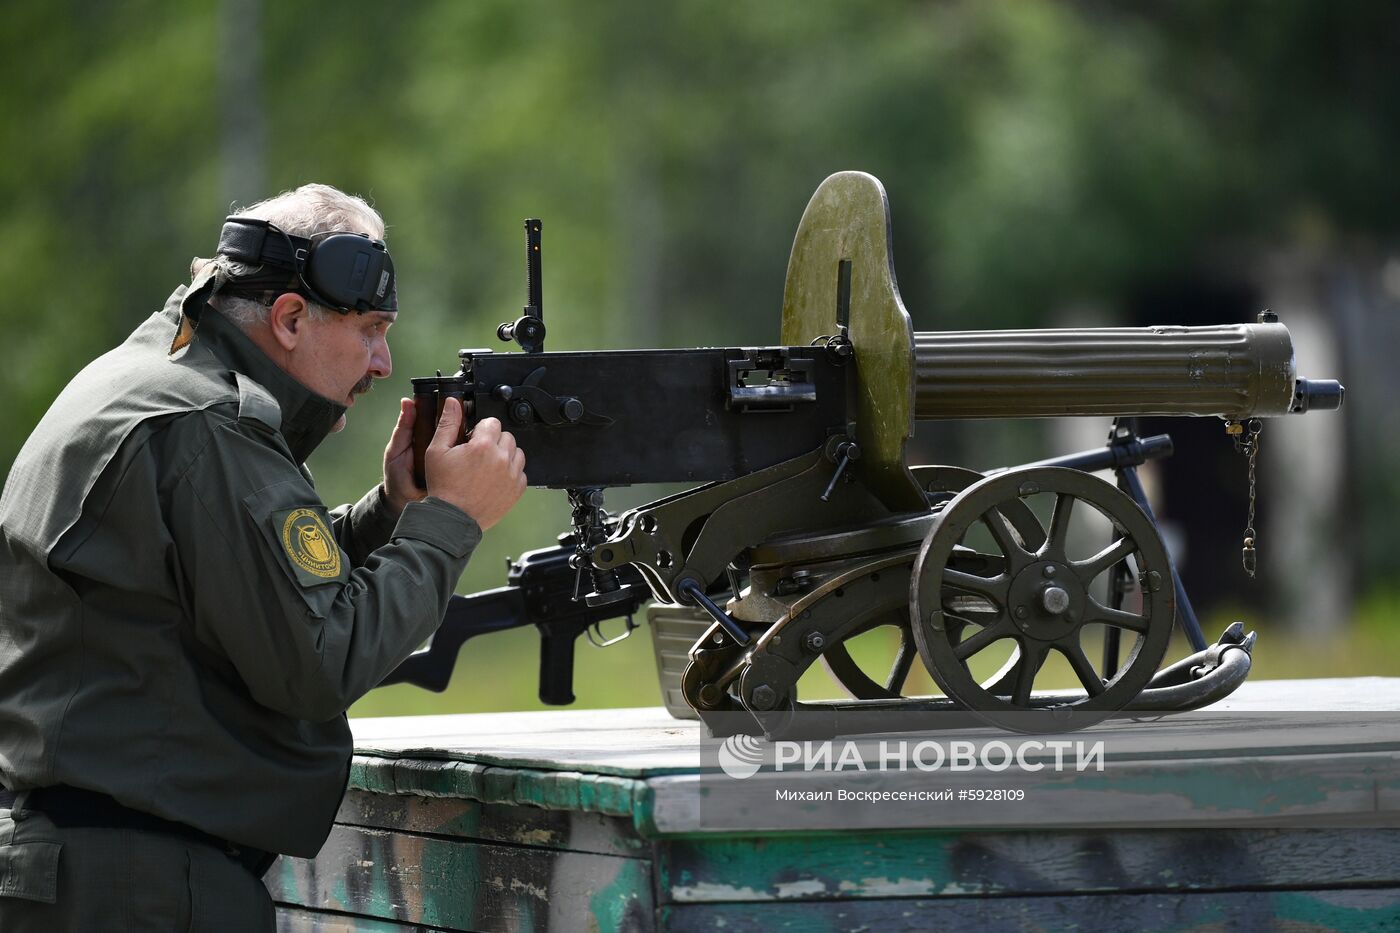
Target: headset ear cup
[343,271]
[386,286]
[347,271]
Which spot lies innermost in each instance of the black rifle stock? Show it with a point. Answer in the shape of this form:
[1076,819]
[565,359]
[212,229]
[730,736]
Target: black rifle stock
[539,592]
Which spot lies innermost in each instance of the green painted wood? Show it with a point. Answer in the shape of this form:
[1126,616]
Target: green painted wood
[572,831]
[459,885]
[863,866]
[1267,791]
[632,743]
[648,743]
[1243,766]
[1312,911]
[297,920]
[560,790]
[467,802]
[572,820]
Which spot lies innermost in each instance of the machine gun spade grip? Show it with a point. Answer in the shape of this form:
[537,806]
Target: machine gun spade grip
[430,393]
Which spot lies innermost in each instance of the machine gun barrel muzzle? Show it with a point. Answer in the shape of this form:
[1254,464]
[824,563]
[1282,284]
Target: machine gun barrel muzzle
[1234,371]
[1318,395]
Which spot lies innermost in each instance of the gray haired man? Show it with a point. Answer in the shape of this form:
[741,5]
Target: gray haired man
[183,622]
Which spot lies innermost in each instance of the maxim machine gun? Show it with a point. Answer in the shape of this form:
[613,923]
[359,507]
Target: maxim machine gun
[807,528]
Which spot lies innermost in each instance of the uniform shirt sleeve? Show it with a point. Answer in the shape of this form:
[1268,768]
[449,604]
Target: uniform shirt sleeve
[270,588]
[364,526]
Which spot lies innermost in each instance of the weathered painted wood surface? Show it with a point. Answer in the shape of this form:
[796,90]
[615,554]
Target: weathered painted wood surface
[295,920]
[1300,911]
[590,820]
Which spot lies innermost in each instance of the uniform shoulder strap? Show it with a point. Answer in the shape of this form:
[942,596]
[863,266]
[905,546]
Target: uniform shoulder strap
[257,404]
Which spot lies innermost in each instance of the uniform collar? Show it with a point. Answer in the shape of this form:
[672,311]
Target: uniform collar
[307,417]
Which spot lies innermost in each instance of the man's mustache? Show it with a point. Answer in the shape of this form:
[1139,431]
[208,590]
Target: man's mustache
[364,385]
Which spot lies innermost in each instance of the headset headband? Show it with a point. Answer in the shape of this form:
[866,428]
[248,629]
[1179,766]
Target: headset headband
[344,271]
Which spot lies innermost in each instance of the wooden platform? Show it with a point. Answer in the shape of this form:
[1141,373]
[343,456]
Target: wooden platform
[1282,803]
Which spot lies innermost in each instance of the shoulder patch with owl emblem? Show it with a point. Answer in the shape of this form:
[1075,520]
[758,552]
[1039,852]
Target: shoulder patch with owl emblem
[309,545]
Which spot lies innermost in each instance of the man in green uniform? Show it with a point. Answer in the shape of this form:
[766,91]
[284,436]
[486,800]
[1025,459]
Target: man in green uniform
[183,623]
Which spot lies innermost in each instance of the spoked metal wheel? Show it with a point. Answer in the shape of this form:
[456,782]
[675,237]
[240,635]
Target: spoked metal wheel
[1036,594]
[886,680]
[854,679]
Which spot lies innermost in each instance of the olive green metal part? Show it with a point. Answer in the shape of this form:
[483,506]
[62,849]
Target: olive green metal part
[695,534]
[845,597]
[941,483]
[1040,598]
[848,221]
[905,530]
[1235,371]
[858,684]
[674,630]
[814,543]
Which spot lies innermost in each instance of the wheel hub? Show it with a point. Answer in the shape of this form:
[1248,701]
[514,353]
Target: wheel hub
[1046,601]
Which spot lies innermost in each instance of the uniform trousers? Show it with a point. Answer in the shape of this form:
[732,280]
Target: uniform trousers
[98,880]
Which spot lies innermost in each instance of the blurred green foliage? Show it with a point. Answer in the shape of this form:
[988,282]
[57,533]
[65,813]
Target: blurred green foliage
[1036,153]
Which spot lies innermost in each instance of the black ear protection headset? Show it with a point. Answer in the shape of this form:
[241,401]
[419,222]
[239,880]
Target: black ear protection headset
[344,271]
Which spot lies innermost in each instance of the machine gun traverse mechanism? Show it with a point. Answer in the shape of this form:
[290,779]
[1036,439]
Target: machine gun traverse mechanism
[807,528]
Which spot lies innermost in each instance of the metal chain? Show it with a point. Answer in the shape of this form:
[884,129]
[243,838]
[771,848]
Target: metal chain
[1246,438]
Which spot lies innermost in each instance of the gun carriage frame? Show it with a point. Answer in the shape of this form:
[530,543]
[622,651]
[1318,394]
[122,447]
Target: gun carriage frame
[817,528]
